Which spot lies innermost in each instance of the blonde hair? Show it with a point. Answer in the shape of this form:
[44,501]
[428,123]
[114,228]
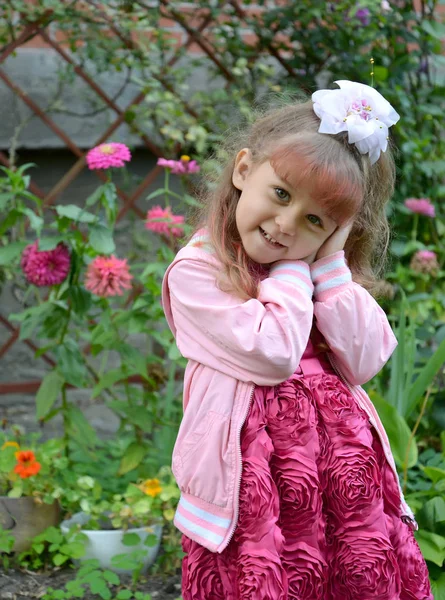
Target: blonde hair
[346,184]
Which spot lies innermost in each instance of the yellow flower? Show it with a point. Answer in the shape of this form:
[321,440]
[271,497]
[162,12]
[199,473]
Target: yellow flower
[151,487]
[185,158]
[10,444]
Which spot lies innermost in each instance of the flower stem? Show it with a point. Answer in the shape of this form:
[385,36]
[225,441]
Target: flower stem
[167,190]
[415,225]
[411,437]
[65,422]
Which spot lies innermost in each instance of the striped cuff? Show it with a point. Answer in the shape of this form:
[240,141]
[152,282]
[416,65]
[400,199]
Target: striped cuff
[330,274]
[296,272]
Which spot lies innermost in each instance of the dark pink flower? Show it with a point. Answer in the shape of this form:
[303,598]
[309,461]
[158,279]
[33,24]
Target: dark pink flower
[422,206]
[108,276]
[163,221]
[424,261]
[108,155]
[184,166]
[49,267]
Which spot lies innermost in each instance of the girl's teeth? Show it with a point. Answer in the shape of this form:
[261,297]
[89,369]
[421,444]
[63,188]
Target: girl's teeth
[268,237]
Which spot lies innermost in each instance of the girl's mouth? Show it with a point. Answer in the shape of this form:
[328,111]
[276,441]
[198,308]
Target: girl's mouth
[269,239]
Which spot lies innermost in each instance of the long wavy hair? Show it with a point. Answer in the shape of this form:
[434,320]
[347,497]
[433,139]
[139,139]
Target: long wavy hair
[343,181]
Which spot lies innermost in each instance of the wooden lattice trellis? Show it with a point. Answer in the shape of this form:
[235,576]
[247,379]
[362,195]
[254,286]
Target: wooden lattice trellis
[196,26]
[40,28]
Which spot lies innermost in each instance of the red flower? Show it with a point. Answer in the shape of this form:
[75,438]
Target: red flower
[26,466]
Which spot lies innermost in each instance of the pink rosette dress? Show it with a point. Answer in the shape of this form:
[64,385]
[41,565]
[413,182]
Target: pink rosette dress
[319,514]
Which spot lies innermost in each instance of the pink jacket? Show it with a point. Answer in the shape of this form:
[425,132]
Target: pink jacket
[232,345]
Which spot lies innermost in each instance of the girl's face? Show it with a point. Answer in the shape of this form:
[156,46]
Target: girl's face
[269,205]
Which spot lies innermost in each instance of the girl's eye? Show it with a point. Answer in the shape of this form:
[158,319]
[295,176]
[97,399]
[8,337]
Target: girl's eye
[320,223]
[282,194]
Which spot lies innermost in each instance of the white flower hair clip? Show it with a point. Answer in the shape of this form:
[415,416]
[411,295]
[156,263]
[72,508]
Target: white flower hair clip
[361,111]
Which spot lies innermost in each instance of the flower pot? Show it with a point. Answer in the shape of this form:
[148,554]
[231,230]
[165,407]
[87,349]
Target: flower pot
[104,544]
[24,519]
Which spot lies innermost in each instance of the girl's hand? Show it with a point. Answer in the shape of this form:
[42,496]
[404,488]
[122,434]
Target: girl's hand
[336,241]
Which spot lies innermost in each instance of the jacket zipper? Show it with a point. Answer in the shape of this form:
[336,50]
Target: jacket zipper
[333,362]
[235,521]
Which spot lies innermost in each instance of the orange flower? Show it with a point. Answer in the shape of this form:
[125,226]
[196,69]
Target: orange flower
[151,487]
[26,466]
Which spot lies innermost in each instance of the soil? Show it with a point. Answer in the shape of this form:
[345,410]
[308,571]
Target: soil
[26,585]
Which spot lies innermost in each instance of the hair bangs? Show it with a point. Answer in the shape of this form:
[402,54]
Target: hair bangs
[332,176]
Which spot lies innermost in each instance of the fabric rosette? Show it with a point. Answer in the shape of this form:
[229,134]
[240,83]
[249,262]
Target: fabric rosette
[361,111]
[365,567]
[204,580]
[307,571]
[257,501]
[299,491]
[261,576]
[352,484]
[291,416]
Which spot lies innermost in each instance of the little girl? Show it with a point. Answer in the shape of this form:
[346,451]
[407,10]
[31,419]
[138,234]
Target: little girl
[289,490]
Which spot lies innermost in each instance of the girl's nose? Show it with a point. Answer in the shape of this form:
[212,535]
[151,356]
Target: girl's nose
[287,222]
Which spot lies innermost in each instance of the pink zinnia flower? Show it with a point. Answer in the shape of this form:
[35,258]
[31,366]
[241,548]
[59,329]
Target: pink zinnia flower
[424,261]
[49,267]
[108,155]
[184,166]
[108,276]
[162,221]
[422,206]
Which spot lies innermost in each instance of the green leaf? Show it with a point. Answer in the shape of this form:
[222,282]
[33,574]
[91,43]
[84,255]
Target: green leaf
[434,28]
[434,473]
[397,429]
[425,378]
[132,458]
[50,243]
[124,595]
[80,299]
[109,379]
[48,392]
[111,577]
[5,198]
[59,559]
[438,587]
[10,252]
[433,511]
[79,428]
[95,196]
[71,362]
[101,239]
[35,221]
[75,213]
[432,546]
[131,539]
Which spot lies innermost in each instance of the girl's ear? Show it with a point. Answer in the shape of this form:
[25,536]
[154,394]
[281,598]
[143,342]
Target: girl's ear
[242,168]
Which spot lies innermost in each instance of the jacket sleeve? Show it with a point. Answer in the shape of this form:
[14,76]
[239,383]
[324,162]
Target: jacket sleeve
[354,325]
[258,340]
